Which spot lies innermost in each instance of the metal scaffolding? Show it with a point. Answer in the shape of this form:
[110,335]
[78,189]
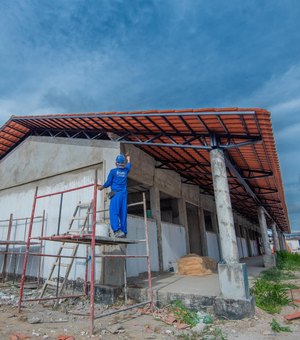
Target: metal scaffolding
[90,239]
[9,224]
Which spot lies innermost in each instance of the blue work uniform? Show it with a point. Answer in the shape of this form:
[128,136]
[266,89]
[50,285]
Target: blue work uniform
[117,180]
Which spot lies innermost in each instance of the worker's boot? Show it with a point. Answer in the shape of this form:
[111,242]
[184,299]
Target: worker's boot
[120,234]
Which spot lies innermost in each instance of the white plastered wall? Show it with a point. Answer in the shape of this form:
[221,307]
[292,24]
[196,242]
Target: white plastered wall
[52,165]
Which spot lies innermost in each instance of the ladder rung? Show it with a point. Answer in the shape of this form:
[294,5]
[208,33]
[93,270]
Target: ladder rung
[78,218]
[68,247]
[75,232]
[84,205]
[62,264]
[51,283]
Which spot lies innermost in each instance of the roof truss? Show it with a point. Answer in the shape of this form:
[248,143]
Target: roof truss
[181,141]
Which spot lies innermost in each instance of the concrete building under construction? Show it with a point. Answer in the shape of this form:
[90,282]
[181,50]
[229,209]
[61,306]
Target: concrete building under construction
[211,179]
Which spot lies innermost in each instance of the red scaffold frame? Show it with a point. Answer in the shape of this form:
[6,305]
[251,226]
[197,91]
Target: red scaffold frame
[90,240]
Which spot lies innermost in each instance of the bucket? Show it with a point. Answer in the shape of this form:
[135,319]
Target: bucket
[102,229]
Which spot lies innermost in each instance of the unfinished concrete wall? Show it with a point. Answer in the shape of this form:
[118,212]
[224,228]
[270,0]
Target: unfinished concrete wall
[213,246]
[43,157]
[18,201]
[144,165]
[136,231]
[52,165]
[168,182]
[194,229]
[254,248]
[173,244]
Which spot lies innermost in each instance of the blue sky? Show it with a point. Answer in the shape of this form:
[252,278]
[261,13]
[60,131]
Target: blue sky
[111,55]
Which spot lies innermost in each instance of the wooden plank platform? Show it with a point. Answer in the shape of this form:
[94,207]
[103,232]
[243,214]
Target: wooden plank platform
[100,240]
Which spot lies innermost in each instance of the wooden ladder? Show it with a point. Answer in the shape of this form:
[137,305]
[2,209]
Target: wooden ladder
[81,213]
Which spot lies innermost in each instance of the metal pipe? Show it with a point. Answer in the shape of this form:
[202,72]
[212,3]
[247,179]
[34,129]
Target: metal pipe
[86,270]
[121,310]
[15,264]
[65,191]
[133,204]
[125,283]
[150,293]
[92,283]
[27,250]
[19,219]
[79,257]
[26,220]
[58,237]
[55,298]
[6,249]
[180,146]
[59,213]
[58,231]
[49,255]
[121,256]
[58,275]
[41,249]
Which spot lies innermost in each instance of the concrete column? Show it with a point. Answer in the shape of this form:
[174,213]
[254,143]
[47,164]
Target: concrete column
[156,214]
[228,240]
[281,240]
[269,260]
[275,237]
[183,220]
[248,242]
[203,237]
[233,276]
[284,242]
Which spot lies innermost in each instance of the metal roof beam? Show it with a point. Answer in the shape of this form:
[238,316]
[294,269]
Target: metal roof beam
[241,144]
[174,145]
[237,174]
[263,172]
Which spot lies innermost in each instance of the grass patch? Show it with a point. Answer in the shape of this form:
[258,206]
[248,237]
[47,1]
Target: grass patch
[290,286]
[287,261]
[276,327]
[275,274]
[269,296]
[184,314]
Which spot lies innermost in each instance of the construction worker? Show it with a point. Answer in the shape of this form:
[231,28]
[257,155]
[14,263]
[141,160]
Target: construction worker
[117,180]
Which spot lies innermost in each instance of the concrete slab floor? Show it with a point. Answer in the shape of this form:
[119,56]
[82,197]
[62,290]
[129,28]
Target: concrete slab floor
[199,285]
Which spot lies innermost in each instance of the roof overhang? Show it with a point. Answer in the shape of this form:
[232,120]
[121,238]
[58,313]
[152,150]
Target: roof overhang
[180,140]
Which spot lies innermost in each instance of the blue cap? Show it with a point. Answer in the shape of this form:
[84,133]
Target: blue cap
[120,161]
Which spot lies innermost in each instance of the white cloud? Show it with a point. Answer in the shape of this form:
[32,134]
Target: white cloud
[280,94]
[291,132]
[287,106]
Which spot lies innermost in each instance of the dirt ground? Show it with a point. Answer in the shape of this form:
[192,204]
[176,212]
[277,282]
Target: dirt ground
[37,321]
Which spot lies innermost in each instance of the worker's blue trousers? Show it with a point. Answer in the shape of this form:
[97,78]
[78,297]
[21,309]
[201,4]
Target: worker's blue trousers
[118,211]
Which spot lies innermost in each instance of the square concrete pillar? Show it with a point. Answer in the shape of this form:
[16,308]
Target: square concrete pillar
[233,279]
[235,303]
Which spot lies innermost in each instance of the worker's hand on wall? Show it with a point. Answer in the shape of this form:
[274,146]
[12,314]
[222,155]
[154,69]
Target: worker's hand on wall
[127,158]
[100,187]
